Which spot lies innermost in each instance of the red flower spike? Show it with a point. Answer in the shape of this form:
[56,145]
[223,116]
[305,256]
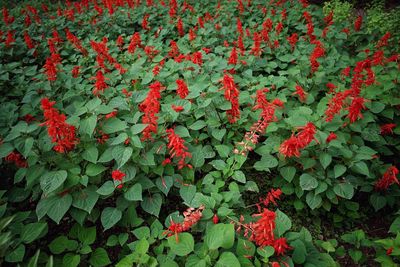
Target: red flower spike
[331,136]
[215,219]
[59,131]
[232,95]
[177,148]
[182,89]
[387,128]
[388,178]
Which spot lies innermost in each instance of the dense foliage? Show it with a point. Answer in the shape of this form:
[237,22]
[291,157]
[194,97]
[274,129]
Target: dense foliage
[129,128]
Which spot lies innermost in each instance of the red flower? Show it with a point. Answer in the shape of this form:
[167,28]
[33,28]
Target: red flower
[75,71]
[59,131]
[215,219]
[135,42]
[271,197]
[233,57]
[28,41]
[75,42]
[290,147]
[17,158]
[358,23]
[177,148]
[292,39]
[100,84]
[179,26]
[331,136]
[10,39]
[182,89]
[335,105]
[300,92]
[232,95]
[191,217]
[388,178]
[118,176]
[177,108]
[387,128]
[145,23]
[111,114]
[262,231]
[389,251]
[256,50]
[355,109]
[280,245]
[166,161]
[150,107]
[384,40]
[120,41]
[331,88]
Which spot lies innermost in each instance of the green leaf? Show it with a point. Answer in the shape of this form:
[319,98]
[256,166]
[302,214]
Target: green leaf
[114,125]
[198,125]
[220,235]
[344,190]
[313,200]
[395,226]
[288,173]
[134,193]
[87,236]
[142,246]
[85,199]
[361,167]
[227,259]
[152,204]
[5,149]
[61,244]
[282,222]
[88,125]
[94,169]
[325,159]
[187,193]
[91,154]
[121,155]
[28,146]
[71,260]
[339,170]
[32,231]
[138,128]
[266,162]
[299,251]
[109,217]
[181,245]
[99,258]
[239,176]
[16,255]
[377,201]
[106,189]
[52,180]
[55,207]
[308,182]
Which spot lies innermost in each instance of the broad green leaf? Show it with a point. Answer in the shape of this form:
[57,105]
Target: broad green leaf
[227,259]
[88,125]
[181,245]
[187,193]
[55,207]
[52,180]
[94,169]
[325,159]
[91,154]
[152,204]
[61,244]
[299,251]
[220,235]
[109,217]
[99,258]
[138,128]
[339,170]
[308,182]
[313,200]
[282,222]
[71,260]
[85,199]
[134,193]
[288,173]
[198,125]
[122,154]
[114,125]
[106,189]
[344,190]
[32,231]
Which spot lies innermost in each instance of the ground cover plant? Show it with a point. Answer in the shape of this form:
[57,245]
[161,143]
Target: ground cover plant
[197,133]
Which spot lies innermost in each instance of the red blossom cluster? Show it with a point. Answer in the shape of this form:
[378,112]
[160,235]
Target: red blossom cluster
[59,131]
[191,217]
[118,176]
[134,43]
[318,52]
[177,149]
[388,178]
[150,107]
[75,42]
[331,136]
[103,54]
[17,159]
[100,84]
[256,49]
[292,39]
[387,128]
[358,23]
[291,147]
[182,89]
[301,93]
[231,93]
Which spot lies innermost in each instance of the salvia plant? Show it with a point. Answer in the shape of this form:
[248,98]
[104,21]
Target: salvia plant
[128,129]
